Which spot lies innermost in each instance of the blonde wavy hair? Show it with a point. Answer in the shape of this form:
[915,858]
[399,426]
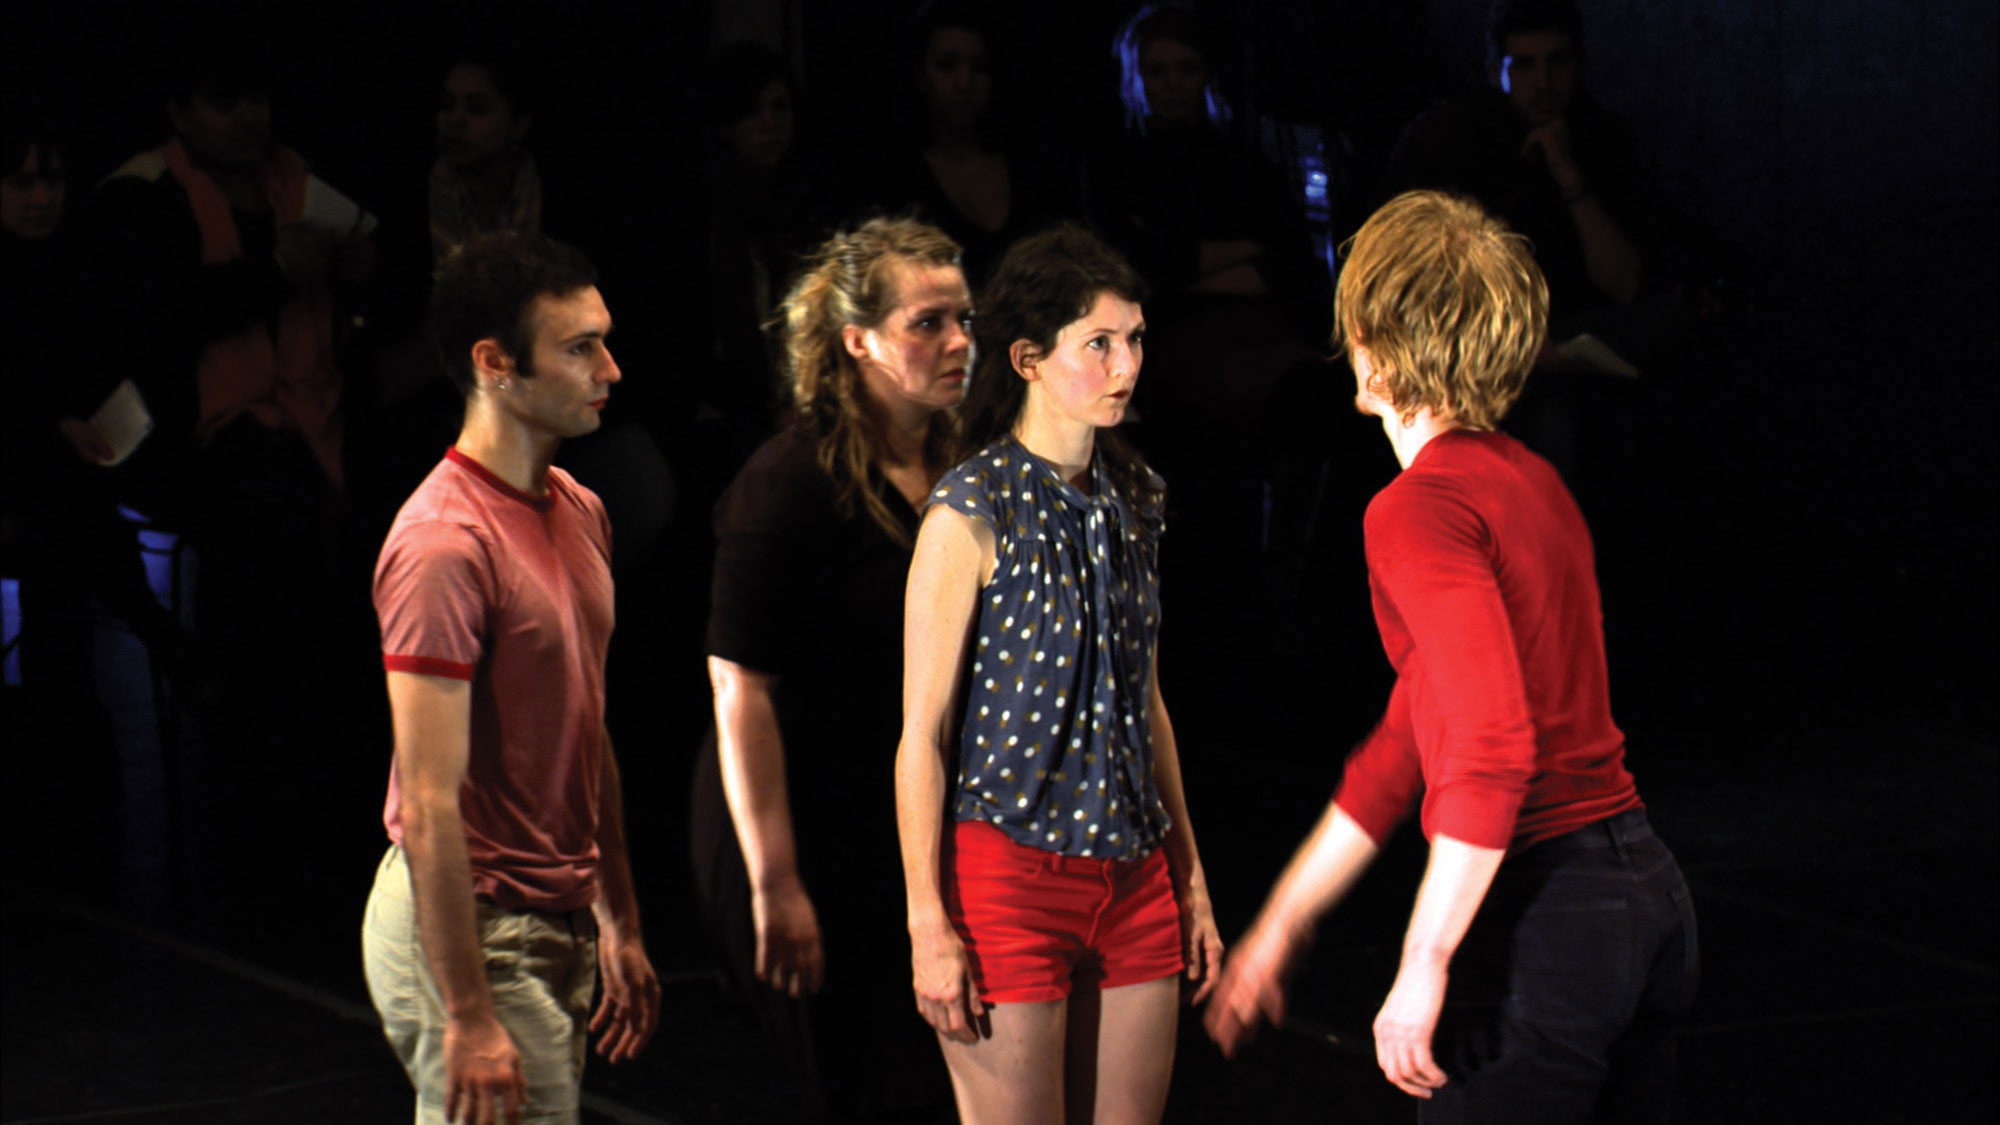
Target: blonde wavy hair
[846,280]
[1449,304]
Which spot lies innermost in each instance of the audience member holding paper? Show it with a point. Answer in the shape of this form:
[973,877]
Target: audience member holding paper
[61,536]
[222,276]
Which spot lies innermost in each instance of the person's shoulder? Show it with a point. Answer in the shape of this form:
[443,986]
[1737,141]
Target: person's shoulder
[440,514]
[782,483]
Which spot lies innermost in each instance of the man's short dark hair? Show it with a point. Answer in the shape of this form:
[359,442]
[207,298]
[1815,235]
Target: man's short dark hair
[483,291]
[1522,17]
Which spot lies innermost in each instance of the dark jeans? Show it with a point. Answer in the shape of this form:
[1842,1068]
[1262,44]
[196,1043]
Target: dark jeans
[1565,993]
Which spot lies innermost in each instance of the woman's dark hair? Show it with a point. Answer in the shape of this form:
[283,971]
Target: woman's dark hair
[1164,21]
[484,291]
[737,74]
[1046,282]
[30,128]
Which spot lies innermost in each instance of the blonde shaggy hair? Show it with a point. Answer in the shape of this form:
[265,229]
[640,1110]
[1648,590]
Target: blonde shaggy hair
[847,280]
[1449,304]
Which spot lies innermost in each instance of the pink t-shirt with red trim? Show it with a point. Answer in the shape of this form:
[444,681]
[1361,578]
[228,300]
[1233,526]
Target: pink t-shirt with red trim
[480,581]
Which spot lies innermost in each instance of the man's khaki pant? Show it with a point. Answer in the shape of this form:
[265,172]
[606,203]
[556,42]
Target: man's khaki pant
[541,967]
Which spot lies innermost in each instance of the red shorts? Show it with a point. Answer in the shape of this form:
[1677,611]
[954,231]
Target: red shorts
[1034,922]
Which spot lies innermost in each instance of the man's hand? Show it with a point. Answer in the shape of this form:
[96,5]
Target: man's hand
[942,978]
[630,1007]
[1552,142]
[1252,988]
[483,1079]
[1201,941]
[1404,1027]
[790,957]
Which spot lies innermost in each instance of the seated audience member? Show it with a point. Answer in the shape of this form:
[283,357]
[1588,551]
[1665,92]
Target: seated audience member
[968,174]
[764,211]
[221,294]
[61,535]
[1220,234]
[486,179]
[1536,150]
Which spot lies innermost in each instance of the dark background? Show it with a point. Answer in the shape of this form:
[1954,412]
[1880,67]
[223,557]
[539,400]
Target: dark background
[1797,551]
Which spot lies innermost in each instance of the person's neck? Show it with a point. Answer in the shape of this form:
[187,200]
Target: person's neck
[1409,438]
[950,141]
[490,183]
[903,428]
[243,187]
[1065,444]
[506,447]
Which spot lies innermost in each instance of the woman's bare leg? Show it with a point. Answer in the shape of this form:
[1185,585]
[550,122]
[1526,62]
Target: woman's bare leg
[1013,1076]
[1130,1046]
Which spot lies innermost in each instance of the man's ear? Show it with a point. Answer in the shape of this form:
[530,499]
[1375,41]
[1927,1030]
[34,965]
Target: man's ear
[490,361]
[1026,358]
[855,339]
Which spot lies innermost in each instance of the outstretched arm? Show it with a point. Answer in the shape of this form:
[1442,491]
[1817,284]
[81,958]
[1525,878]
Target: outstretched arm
[953,553]
[1202,943]
[1455,882]
[630,1007]
[790,957]
[1319,875]
[433,724]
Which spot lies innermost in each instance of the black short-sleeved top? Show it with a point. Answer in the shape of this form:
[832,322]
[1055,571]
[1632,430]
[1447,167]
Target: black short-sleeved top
[1055,748]
[815,597]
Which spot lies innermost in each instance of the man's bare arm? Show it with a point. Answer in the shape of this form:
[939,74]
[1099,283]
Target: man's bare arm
[630,1007]
[432,718]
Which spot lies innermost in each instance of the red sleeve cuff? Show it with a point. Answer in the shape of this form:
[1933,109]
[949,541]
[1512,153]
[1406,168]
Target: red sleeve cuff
[1480,817]
[427,666]
[1378,818]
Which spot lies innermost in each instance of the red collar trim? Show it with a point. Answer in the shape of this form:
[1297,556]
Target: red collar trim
[539,503]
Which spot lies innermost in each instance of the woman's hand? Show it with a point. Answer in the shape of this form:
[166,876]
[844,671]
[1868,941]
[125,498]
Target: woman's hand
[1201,941]
[790,957]
[1252,988]
[946,995]
[1404,1027]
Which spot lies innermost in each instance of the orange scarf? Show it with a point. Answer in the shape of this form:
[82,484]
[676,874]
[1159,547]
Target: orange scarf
[283,382]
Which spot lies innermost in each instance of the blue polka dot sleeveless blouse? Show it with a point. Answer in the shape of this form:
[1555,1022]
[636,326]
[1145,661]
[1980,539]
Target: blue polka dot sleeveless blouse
[1055,749]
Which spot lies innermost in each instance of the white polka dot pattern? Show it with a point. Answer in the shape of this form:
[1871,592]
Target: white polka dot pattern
[1055,747]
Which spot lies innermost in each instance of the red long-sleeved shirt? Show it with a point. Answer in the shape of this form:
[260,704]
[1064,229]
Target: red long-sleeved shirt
[1485,592]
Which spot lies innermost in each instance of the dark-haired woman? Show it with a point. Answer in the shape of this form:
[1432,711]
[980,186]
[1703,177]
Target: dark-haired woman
[967,174]
[1055,893]
[794,853]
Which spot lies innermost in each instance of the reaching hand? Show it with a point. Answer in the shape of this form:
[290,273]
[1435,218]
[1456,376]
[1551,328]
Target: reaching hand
[1252,986]
[630,1007]
[1202,942]
[1404,1027]
[942,978]
[483,1078]
[790,957]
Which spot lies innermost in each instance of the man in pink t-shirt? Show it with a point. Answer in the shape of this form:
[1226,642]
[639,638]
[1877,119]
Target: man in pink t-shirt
[506,891]
[1552,946]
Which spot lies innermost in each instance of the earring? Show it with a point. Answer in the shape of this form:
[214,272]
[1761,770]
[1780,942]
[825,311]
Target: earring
[500,384]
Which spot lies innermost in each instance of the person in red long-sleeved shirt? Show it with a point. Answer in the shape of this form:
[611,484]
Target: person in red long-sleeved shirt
[1552,946]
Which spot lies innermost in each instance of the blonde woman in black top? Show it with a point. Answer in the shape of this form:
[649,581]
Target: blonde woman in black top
[804,634]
